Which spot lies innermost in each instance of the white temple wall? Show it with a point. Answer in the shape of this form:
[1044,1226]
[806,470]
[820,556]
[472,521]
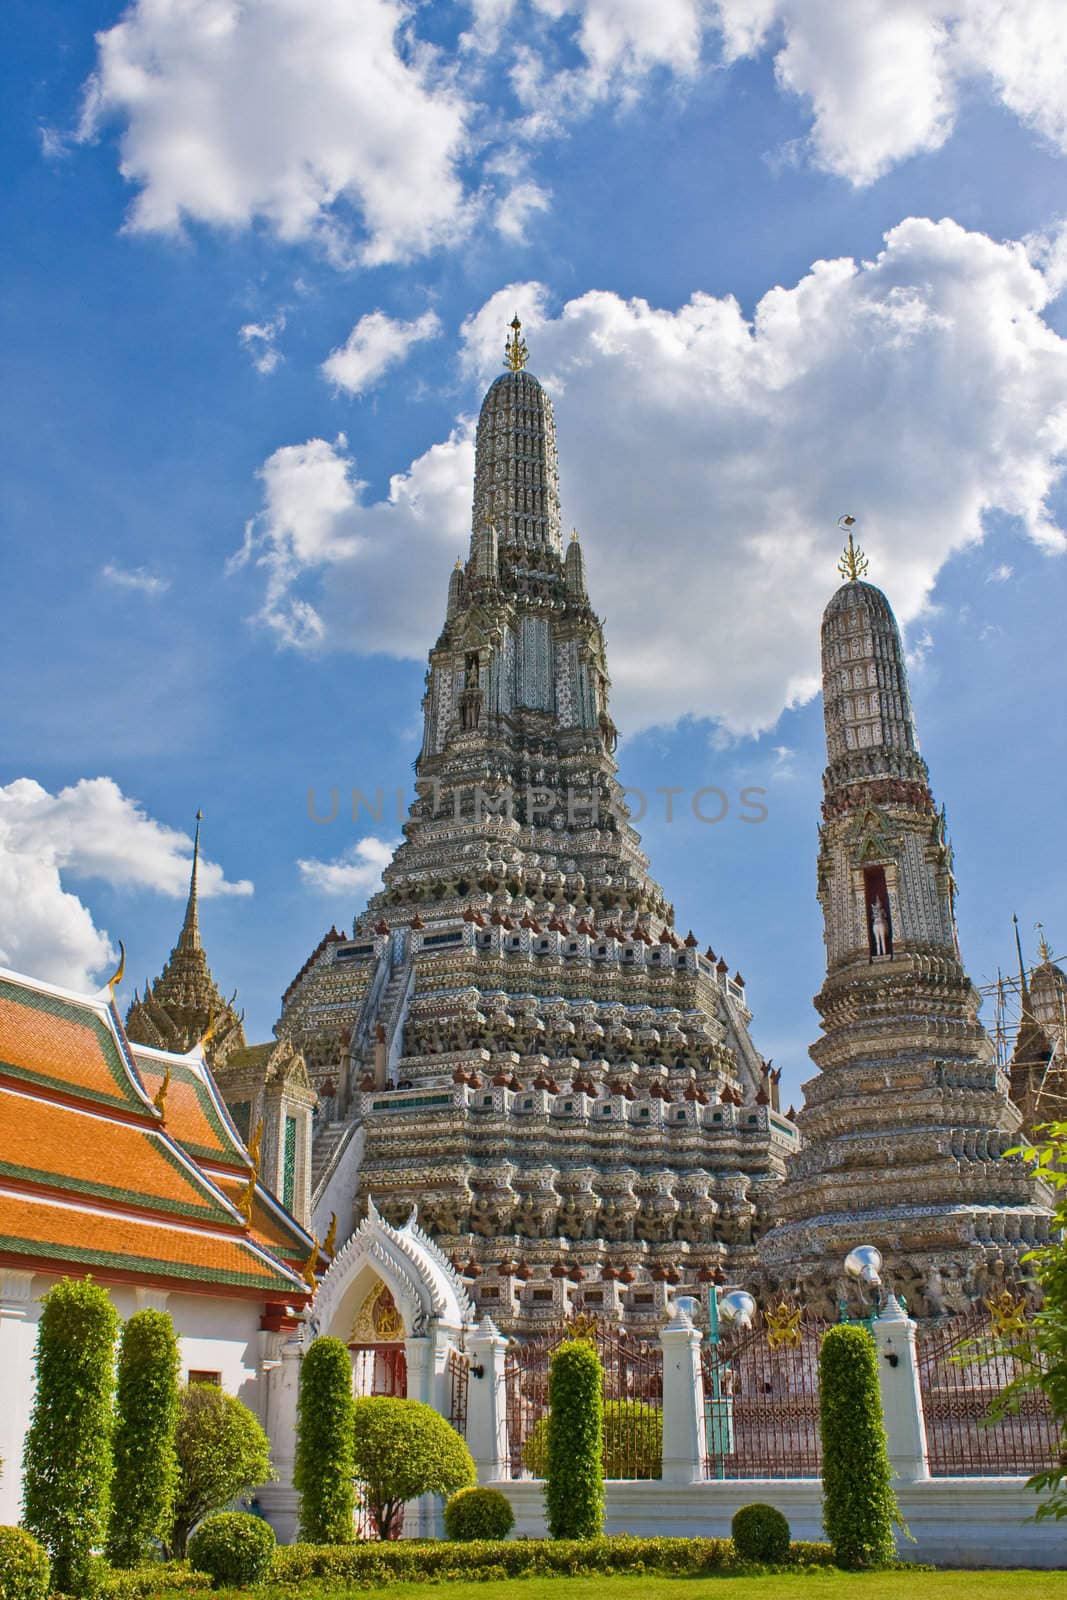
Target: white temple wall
[216,1334]
[955,1522]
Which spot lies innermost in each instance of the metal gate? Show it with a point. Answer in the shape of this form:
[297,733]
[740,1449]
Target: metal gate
[459,1377]
[761,1397]
[633,1400]
[961,1372]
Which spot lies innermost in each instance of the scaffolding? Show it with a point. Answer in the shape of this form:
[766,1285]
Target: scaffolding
[1007,1009]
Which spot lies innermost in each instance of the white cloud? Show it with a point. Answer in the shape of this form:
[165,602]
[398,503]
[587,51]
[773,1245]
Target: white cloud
[357,871]
[706,459]
[516,208]
[314,518]
[376,343]
[884,81]
[1000,573]
[139,579]
[89,830]
[321,120]
[260,339]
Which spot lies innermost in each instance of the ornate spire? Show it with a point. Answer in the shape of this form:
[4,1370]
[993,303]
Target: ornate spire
[189,938]
[183,1007]
[516,354]
[853,564]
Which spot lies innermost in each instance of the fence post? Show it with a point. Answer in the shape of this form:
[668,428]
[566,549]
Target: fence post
[683,1400]
[902,1409]
[487,1412]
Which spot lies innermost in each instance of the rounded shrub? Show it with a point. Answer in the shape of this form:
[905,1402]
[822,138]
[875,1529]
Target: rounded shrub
[401,1449]
[859,1507]
[478,1514]
[232,1547]
[24,1566]
[760,1533]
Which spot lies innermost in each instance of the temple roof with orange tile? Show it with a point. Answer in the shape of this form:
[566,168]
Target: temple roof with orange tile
[91,1175]
[195,1113]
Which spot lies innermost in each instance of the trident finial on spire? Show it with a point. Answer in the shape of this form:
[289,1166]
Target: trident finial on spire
[853,563]
[516,354]
[1042,943]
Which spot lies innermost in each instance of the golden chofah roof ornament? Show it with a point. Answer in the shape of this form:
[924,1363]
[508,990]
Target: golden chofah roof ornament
[853,563]
[516,354]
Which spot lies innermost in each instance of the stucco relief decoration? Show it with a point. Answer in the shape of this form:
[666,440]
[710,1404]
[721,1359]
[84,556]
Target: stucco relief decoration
[378,1321]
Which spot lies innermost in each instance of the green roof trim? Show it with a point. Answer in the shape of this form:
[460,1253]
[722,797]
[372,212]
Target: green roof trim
[88,1257]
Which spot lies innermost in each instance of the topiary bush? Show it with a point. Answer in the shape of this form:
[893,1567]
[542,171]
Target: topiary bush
[24,1566]
[146,1464]
[632,1448]
[574,1487]
[324,1470]
[760,1533]
[478,1514]
[232,1547]
[859,1507]
[66,1461]
[401,1449]
[222,1453]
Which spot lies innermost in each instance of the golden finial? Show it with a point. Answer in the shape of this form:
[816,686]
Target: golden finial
[783,1327]
[329,1244]
[853,563]
[574,536]
[459,565]
[307,1271]
[1006,1314]
[516,354]
[248,1193]
[160,1098]
[119,972]
[209,1032]
[1042,943]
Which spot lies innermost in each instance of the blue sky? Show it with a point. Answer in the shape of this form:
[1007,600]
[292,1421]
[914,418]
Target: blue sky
[777,260]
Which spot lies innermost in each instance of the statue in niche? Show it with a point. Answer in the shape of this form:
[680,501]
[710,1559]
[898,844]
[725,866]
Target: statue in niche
[879,928]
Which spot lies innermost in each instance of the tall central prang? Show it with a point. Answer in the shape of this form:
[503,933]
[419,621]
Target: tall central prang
[515,1040]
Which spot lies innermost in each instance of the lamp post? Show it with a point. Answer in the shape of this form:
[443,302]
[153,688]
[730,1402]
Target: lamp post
[864,1265]
[737,1307]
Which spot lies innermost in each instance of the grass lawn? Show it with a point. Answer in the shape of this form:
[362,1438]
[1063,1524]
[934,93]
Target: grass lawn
[636,1586]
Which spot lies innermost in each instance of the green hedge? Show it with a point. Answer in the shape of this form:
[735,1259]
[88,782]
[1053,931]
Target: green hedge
[66,1461]
[155,1578]
[325,1469]
[146,1464]
[24,1567]
[515,1558]
[574,1488]
[859,1507]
